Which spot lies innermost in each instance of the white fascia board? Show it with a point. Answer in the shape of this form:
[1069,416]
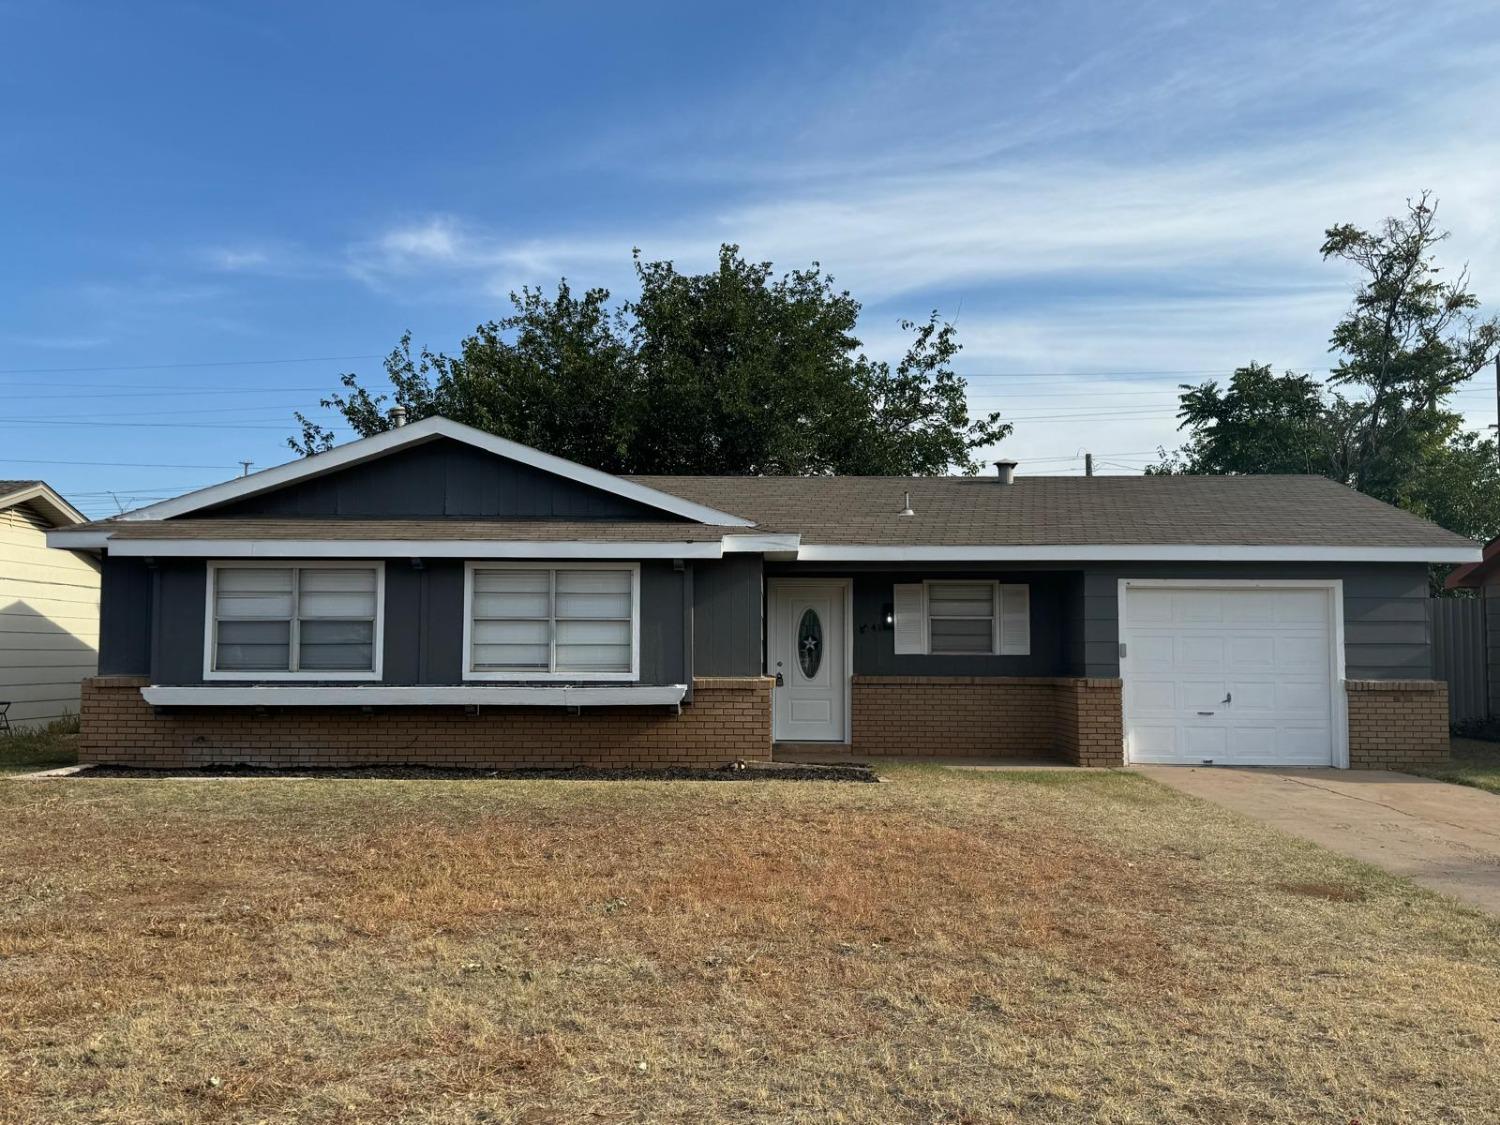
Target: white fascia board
[761,544]
[70,540]
[466,695]
[1137,553]
[365,449]
[406,548]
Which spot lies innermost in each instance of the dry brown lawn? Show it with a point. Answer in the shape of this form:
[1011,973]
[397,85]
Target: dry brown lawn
[942,947]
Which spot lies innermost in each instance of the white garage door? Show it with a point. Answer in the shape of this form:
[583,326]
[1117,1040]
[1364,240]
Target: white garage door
[1229,676]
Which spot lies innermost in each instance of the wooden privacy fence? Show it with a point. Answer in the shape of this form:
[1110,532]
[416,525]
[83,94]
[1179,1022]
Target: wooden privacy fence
[1458,655]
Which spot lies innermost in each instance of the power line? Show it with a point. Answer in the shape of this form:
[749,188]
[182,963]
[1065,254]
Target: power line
[138,425]
[239,410]
[106,464]
[183,366]
[162,390]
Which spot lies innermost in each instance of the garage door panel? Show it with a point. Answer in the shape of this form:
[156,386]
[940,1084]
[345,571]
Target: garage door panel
[1253,696]
[1154,695]
[1303,652]
[1305,746]
[1152,651]
[1253,740]
[1152,607]
[1191,608]
[1252,651]
[1302,699]
[1200,695]
[1157,740]
[1298,607]
[1194,651]
[1267,650]
[1204,743]
[1247,607]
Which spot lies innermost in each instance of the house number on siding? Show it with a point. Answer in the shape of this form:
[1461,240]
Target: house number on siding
[810,643]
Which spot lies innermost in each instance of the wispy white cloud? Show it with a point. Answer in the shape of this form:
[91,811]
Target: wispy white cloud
[239,259]
[1155,199]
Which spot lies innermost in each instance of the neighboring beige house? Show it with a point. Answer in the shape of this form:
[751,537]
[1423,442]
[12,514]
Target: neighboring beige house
[49,607]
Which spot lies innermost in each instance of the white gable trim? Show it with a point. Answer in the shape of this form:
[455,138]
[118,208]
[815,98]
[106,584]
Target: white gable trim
[366,449]
[57,510]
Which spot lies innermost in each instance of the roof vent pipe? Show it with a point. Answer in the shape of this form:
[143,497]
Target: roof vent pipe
[398,417]
[906,505]
[1006,470]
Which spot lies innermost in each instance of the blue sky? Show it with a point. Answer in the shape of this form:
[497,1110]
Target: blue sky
[1104,195]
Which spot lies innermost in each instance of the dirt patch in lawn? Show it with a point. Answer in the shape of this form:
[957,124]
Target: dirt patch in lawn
[1333,892]
[945,947]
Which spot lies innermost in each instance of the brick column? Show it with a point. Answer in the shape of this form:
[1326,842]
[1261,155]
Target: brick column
[1091,722]
[1396,723]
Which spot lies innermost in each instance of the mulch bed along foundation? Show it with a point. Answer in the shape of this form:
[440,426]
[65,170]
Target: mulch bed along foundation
[747,771]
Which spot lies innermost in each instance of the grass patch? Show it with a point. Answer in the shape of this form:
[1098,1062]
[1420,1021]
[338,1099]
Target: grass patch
[1475,763]
[948,946]
[45,748]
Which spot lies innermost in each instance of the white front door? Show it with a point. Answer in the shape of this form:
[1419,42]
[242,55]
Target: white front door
[1230,676]
[806,652]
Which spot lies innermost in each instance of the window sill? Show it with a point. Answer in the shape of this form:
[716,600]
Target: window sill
[278,677]
[436,695]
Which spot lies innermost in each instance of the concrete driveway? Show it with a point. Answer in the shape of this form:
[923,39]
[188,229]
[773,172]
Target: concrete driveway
[1446,837]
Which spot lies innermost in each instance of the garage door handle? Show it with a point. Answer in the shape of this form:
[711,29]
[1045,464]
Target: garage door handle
[1205,712]
[1228,697]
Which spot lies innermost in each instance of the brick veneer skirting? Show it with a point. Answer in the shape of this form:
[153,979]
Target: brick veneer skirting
[1077,720]
[1394,723]
[728,719]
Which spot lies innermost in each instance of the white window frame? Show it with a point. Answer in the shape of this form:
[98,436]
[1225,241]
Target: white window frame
[211,622]
[532,676]
[996,605]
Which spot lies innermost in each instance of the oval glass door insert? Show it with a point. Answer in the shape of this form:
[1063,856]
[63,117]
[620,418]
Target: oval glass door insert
[810,643]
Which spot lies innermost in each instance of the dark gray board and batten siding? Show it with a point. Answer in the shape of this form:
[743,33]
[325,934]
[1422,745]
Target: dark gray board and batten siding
[728,613]
[437,479]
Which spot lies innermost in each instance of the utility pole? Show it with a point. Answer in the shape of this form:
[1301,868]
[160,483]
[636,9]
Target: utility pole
[246,468]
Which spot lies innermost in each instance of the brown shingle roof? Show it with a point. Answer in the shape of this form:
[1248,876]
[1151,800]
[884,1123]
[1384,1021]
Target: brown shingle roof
[1073,511]
[949,511]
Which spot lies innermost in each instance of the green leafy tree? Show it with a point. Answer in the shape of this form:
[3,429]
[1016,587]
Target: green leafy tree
[730,371]
[1260,423]
[1381,423]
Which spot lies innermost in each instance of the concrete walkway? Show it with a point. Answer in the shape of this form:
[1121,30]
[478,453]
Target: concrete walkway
[1446,837]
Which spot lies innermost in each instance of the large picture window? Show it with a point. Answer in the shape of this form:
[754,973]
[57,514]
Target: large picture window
[307,621]
[576,622]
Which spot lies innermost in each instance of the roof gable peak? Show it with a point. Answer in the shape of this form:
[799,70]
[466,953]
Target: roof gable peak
[430,429]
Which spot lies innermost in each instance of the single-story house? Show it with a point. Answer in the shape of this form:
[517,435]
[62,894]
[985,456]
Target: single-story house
[49,608]
[435,594]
